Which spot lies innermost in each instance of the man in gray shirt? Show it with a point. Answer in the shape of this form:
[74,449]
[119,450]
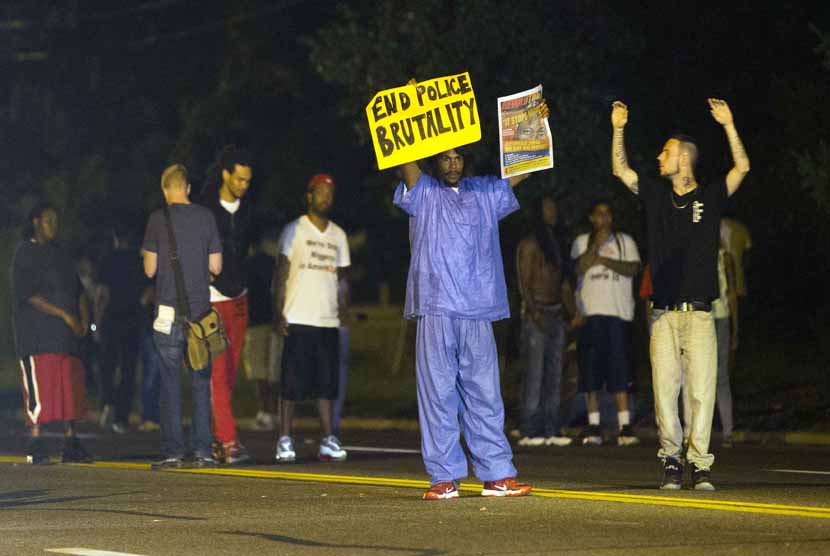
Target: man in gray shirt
[200,256]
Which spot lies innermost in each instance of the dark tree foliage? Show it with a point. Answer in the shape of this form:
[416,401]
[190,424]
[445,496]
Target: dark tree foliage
[572,48]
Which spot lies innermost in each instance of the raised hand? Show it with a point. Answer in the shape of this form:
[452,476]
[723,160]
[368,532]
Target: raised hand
[720,111]
[544,111]
[619,114]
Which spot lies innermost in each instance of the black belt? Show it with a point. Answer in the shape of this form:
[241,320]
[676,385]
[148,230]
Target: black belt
[684,306]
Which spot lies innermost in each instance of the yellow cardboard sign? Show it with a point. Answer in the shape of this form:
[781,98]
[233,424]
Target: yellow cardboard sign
[416,121]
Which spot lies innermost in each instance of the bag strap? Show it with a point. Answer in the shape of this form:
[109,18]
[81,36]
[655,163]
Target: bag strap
[181,294]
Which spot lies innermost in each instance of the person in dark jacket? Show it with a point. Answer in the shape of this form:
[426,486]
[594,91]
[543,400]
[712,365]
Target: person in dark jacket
[225,197]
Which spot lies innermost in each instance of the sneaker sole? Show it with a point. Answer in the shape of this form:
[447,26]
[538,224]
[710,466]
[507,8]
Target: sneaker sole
[434,497]
[628,442]
[559,443]
[505,493]
[707,486]
[671,486]
[291,459]
[239,461]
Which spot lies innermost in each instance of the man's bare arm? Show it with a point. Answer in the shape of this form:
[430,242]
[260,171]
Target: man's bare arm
[150,263]
[568,299]
[44,306]
[83,306]
[723,115]
[588,259]
[280,281]
[215,263]
[619,159]
[411,174]
[625,268]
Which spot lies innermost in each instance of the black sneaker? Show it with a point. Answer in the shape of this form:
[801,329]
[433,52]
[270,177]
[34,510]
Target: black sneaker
[36,452]
[672,474]
[203,462]
[626,437]
[167,463]
[701,479]
[74,452]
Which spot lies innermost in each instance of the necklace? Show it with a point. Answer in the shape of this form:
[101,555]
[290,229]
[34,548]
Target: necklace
[681,207]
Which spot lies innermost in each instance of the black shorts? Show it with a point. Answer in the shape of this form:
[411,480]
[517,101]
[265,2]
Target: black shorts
[310,363]
[604,350]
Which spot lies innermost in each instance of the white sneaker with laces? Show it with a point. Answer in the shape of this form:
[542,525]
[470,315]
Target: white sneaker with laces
[330,449]
[285,450]
[559,441]
[531,441]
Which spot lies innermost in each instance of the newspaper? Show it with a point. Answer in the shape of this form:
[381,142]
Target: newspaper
[525,141]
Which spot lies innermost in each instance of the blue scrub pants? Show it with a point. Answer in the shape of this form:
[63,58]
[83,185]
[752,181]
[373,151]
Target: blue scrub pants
[457,370]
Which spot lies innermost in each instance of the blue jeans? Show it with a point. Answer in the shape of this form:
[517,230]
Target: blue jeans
[150,375]
[539,412]
[171,351]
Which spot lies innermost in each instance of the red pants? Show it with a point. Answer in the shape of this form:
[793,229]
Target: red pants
[234,313]
[53,388]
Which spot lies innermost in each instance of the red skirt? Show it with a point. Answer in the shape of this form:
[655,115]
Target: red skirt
[53,388]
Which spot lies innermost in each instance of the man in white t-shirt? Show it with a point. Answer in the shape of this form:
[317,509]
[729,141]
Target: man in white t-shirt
[606,262]
[306,312]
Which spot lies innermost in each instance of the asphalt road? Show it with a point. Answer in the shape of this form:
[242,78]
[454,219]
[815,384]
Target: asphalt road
[587,501]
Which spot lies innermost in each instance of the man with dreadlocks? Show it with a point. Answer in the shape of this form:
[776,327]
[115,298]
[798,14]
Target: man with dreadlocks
[544,287]
[606,262]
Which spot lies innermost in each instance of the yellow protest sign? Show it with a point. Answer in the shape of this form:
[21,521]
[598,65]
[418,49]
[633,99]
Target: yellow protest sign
[416,121]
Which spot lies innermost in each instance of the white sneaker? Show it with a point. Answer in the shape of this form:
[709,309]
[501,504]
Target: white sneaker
[330,449]
[592,436]
[264,421]
[531,441]
[285,450]
[560,441]
[105,418]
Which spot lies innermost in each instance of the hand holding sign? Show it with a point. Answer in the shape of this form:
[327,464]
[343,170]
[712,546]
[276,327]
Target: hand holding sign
[421,119]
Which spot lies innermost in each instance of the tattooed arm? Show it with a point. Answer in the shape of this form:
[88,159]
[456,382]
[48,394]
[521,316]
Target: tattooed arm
[723,115]
[619,160]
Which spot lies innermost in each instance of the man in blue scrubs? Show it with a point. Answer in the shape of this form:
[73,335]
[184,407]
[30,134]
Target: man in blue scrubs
[455,289]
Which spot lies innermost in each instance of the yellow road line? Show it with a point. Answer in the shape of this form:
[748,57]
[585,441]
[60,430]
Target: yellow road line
[651,500]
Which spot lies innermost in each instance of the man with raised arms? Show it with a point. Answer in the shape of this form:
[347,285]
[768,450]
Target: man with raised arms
[455,289]
[683,234]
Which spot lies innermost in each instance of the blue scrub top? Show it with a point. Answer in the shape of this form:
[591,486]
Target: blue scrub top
[456,269]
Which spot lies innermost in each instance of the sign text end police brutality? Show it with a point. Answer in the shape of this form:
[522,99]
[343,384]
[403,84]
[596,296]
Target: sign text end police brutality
[433,120]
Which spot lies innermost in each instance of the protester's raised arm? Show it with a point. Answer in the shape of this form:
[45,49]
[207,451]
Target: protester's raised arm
[723,115]
[411,174]
[619,160]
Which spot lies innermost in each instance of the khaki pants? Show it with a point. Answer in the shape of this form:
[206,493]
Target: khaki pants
[690,336]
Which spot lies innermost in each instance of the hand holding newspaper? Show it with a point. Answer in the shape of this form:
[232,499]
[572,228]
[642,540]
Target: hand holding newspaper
[525,141]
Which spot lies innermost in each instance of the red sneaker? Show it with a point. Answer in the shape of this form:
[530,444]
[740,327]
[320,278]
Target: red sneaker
[441,491]
[506,487]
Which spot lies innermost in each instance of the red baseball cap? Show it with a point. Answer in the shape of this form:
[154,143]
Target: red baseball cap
[319,179]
